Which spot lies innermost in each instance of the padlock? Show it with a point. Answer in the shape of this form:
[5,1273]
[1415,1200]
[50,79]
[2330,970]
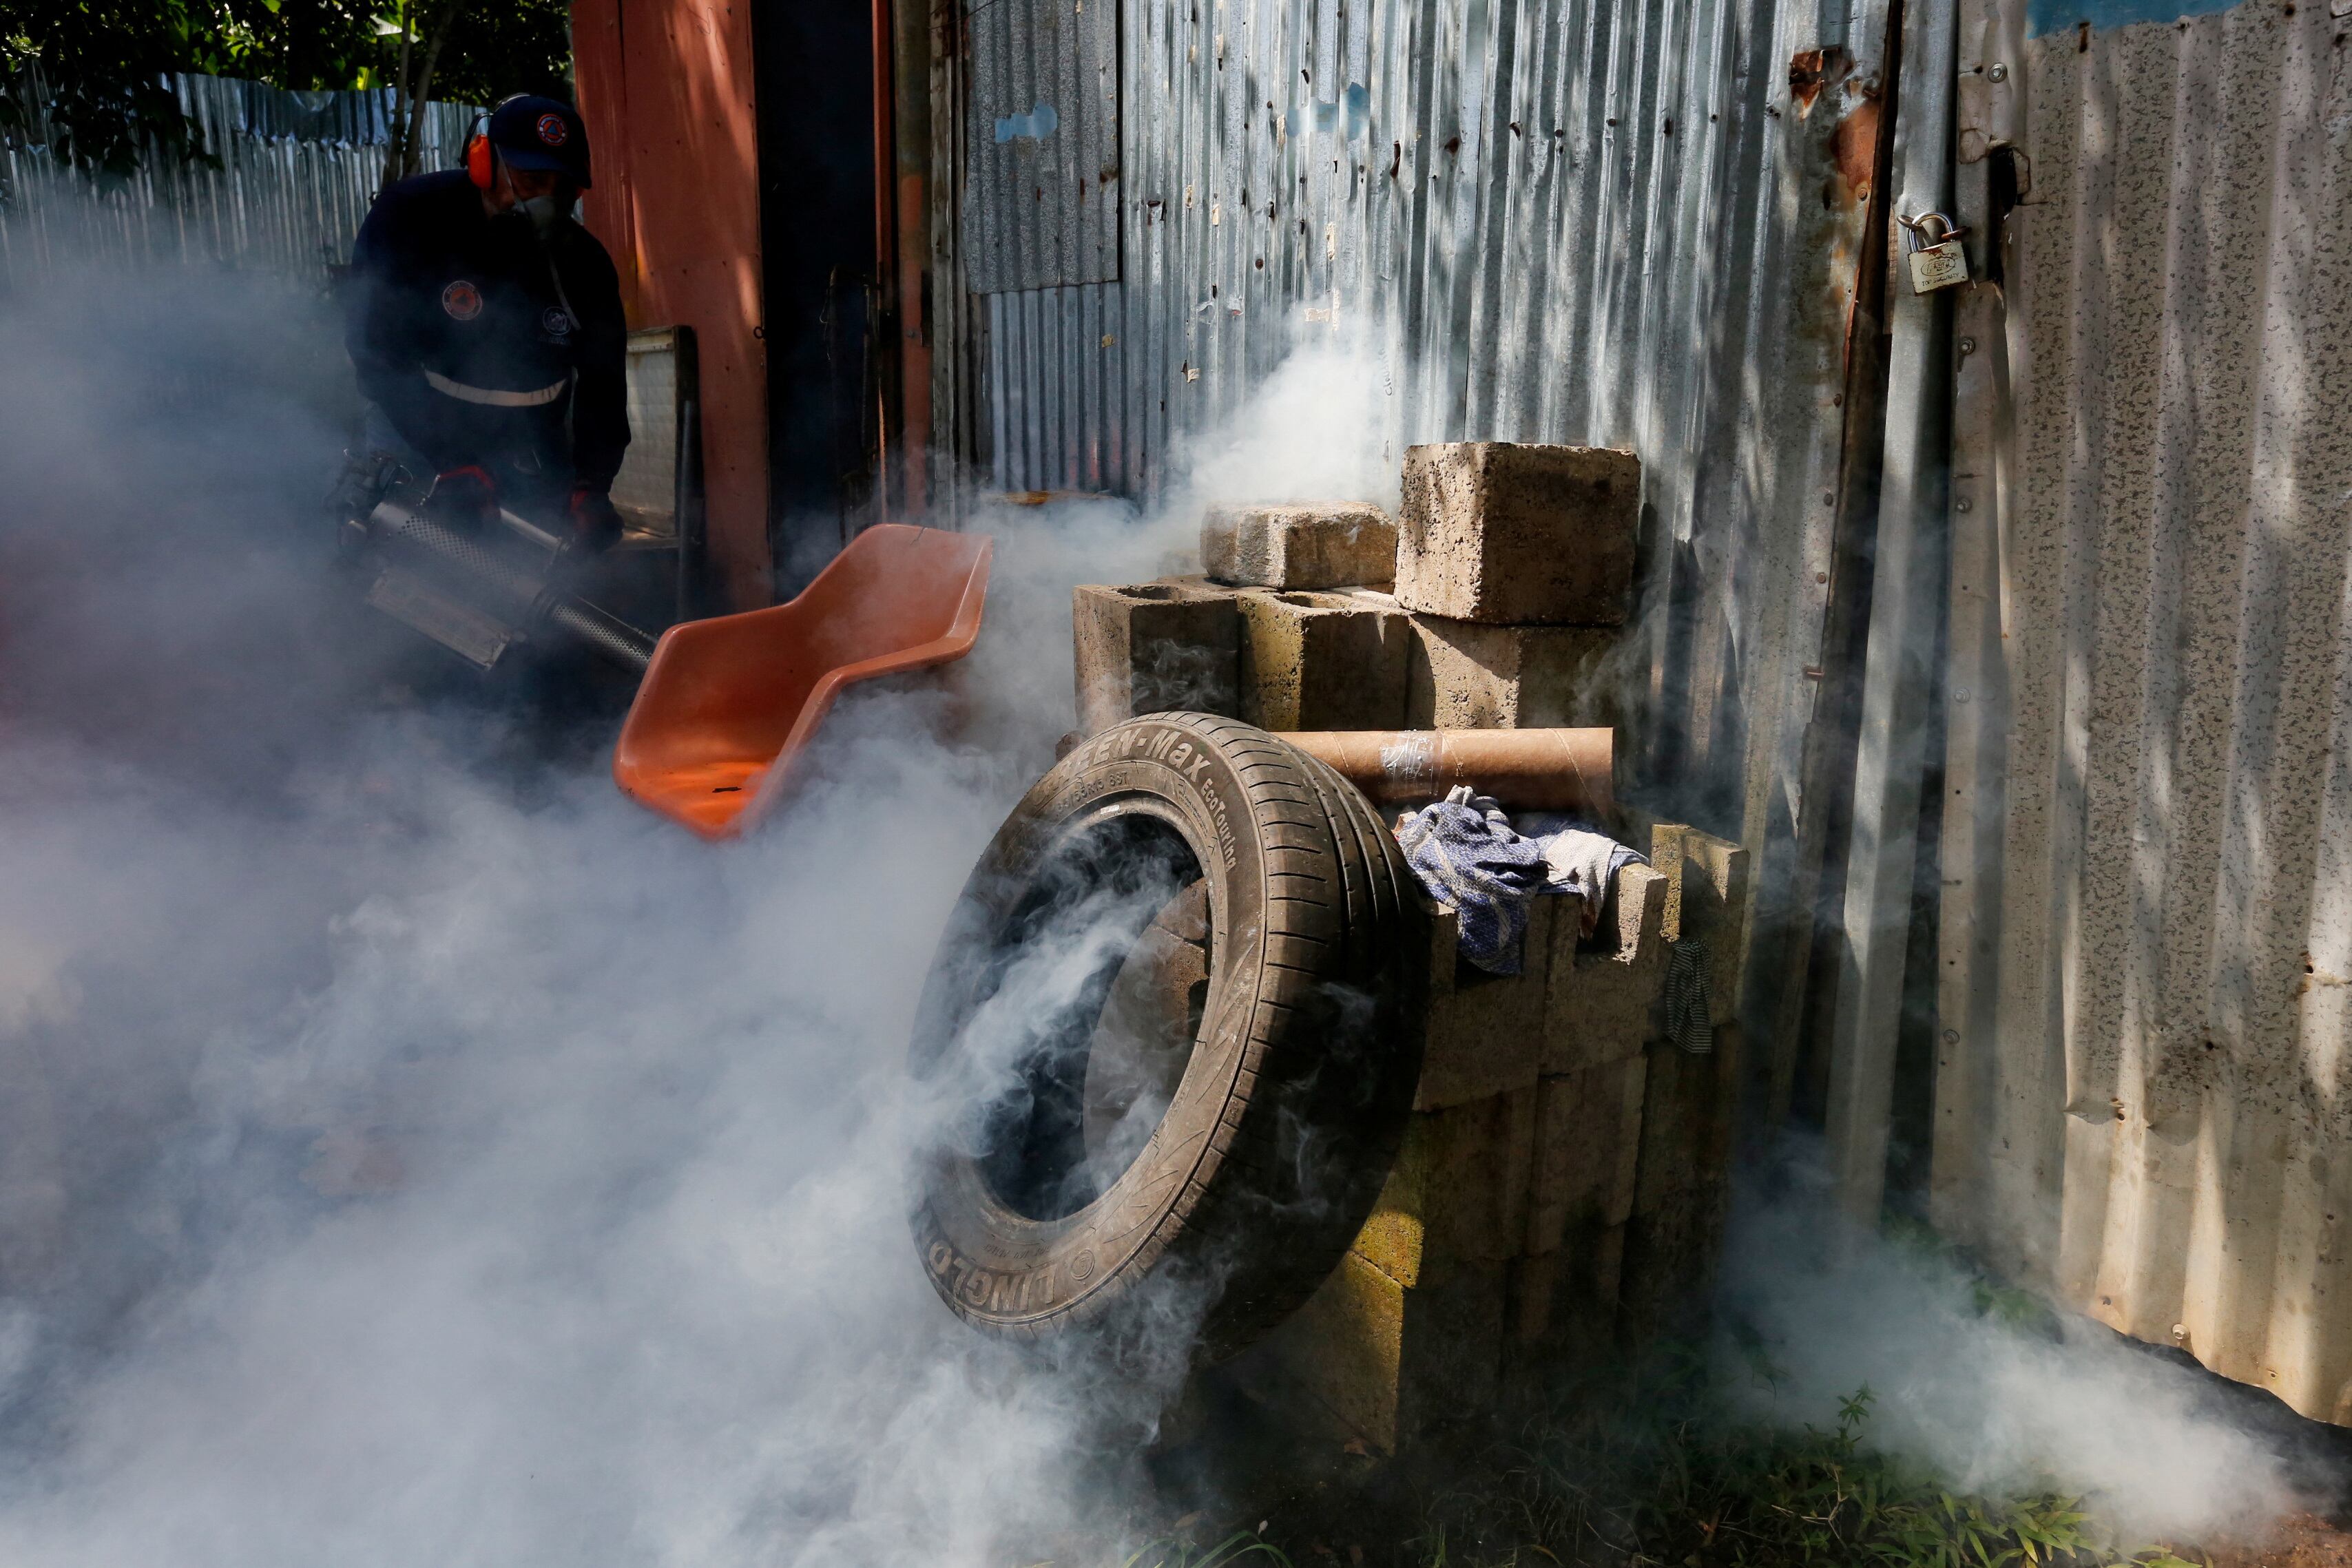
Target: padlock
[1939,265]
[1937,260]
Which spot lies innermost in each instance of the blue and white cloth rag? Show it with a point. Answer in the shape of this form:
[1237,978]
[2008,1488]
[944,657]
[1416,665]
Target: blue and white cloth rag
[1469,856]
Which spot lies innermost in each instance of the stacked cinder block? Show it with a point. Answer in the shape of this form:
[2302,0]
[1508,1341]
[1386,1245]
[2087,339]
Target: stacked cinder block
[1285,632]
[1322,661]
[1409,1333]
[1687,1119]
[1602,1009]
[1512,568]
[1516,565]
[1154,647]
[1560,1191]
[1338,544]
[1560,1182]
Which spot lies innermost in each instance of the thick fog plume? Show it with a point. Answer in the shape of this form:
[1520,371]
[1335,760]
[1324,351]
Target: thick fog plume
[1993,1393]
[416,1152]
[410,1151]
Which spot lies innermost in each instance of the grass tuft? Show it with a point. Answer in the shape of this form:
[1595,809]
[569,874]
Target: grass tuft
[1656,1467]
[1176,1553]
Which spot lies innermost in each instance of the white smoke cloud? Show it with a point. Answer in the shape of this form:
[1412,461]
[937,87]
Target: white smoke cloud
[1995,1402]
[467,1166]
[415,1152]
[1320,427]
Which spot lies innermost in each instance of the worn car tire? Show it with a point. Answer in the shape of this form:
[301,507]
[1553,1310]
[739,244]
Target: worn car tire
[1294,1087]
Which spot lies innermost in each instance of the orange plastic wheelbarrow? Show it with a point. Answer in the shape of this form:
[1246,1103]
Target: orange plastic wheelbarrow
[727,705]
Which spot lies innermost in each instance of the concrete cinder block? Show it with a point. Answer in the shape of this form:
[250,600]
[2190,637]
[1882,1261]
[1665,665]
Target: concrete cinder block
[1605,1002]
[1670,1254]
[1328,544]
[1322,661]
[1409,1333]
[1706,901]
[1486,1032]
[1388,1361]
[1509,534]
[1152,647]
[1563,1304]
[1458,1191]
[1689,1119]
[1588,1147]
[1464,675]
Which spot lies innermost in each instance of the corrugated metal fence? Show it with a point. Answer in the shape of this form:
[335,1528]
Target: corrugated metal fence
[1639,226]
[298,171]
[1634,227]
[2145,1104]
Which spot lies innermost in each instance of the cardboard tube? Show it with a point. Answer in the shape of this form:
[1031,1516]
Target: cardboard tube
[1526,769]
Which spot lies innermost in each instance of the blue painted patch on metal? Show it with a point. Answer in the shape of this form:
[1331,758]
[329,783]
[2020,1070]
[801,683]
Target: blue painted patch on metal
[2044,17]
[1036,125]
[1346,117]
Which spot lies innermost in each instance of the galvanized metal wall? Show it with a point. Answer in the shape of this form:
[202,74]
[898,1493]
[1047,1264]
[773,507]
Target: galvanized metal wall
[298,171]
[1552,220]
[1044,160]
[2144,1105]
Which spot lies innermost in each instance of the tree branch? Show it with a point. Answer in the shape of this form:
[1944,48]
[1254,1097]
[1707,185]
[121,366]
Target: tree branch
[420,99]
[395,155]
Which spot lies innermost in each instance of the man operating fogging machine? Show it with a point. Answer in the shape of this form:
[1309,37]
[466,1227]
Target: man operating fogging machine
[486,328]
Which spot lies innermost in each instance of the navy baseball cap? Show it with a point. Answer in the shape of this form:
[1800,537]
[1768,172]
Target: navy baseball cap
[541,133]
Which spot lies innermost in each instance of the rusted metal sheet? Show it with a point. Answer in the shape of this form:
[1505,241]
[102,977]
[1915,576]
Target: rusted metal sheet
[665,87]
[905,488]
[1042,206]
[2142,1101]
[1615,226]
[1895,719]
[298,171]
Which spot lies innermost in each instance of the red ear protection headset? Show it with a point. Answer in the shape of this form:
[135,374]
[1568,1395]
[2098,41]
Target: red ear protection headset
[480,167]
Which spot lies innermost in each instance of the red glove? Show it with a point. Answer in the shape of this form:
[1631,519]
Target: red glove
[465,497]
[595,524]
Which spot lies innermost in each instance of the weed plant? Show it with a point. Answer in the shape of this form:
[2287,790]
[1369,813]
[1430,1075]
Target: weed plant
[1673,1476]
[1655,1466]
[1240,1548]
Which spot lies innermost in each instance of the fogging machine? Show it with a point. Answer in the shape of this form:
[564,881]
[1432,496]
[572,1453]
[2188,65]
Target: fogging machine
[481,593]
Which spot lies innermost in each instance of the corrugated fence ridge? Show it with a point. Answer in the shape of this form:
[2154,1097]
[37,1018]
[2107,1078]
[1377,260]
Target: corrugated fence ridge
[2163,1137]
[298,171]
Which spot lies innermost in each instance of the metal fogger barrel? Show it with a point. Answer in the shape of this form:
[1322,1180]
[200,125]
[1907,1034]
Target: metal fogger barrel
[479,596]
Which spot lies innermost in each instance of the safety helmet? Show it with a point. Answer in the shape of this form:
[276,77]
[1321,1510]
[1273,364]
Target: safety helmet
[531,132]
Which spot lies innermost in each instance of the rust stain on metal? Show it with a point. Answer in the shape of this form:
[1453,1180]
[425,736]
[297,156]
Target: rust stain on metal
[1853,150]
[1812,70]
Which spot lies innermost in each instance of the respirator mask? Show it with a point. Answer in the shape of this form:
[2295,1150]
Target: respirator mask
[543,212]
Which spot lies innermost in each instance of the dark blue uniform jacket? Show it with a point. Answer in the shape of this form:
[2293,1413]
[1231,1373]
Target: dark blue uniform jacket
[461,335]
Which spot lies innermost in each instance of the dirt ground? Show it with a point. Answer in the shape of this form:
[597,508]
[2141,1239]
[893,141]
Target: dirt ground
[2303,1541]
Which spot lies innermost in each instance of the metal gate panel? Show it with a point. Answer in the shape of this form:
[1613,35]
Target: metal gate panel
[2143,1105]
